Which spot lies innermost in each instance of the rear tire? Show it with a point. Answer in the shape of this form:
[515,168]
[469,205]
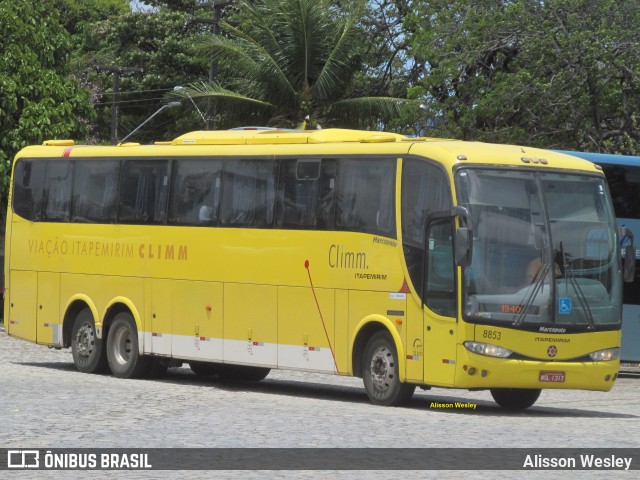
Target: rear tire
[123,355]
[381,372]
[515,398]
[89,354]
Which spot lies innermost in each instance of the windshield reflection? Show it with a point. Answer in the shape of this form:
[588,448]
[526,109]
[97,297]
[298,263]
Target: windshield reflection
[544,249]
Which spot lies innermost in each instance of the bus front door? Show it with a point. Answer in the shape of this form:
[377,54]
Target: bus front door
[440,304]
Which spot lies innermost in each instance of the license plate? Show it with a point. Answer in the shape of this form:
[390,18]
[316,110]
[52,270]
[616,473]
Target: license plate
[557,377]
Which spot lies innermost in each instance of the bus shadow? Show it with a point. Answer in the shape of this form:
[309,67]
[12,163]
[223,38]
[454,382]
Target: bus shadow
[450,405]
[424,401]
[273,386]
[66,366]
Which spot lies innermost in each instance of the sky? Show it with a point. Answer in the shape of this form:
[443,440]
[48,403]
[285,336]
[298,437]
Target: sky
[137,6]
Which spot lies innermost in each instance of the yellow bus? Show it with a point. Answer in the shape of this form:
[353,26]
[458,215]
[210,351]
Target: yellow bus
[404,261]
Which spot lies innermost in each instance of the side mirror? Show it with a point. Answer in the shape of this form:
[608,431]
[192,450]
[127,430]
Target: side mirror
[628,254]
[629,264]
[463,248]
[464,237]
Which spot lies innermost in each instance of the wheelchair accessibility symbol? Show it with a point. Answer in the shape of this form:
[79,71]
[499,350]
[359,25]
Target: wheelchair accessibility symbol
[564,305]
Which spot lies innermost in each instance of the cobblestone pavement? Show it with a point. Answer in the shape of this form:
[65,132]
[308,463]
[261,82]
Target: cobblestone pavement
[46,403]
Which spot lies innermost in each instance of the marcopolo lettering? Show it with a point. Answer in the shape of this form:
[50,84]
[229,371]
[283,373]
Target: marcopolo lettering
[552,330]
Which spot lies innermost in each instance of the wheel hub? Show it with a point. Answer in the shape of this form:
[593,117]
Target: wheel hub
[381,368]
[85,340]
[122,351]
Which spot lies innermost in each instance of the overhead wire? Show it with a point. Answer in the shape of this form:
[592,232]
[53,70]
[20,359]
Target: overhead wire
[121,102]
[138,91]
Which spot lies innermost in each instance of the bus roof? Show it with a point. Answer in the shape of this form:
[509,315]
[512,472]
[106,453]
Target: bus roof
[262,137]
[323,142]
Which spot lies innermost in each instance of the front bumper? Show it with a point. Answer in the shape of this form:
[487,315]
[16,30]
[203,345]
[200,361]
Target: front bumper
[479,372]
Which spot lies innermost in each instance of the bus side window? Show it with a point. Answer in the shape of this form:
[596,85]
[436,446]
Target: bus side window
[248,193]
[326,205]
[28,186]
[195,197]
[57,192]
[95,191]
[440,285]
[425,190]
[306,194]
[144,188]
[365,196]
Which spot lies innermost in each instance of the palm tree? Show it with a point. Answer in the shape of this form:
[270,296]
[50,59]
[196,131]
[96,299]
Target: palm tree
[287,60]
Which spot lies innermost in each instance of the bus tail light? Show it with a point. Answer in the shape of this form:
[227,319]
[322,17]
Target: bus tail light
[605,355]
[487,349]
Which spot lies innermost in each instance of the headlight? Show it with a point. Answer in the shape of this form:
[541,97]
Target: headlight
[487,349]
[605,355]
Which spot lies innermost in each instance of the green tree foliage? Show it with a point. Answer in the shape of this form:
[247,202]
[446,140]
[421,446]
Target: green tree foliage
[178,5]
[76,14]
[553,73]
[389,63]
[159,45]
[289,59]
[38,99]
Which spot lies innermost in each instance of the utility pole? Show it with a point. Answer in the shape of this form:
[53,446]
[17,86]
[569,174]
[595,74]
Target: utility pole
[218,6]
[115,100]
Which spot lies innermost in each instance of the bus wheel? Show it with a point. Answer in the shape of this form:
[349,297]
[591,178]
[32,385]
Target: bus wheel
[87,349]
[124,358]
[240,373]
[515,398]
[205,369]
[380,372]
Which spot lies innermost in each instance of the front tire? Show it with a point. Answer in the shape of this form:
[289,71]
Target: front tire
[381,375]
[515,398]
[88,350]
[123,354]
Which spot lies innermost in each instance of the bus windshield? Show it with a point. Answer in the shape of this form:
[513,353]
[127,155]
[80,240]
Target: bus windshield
[544,250]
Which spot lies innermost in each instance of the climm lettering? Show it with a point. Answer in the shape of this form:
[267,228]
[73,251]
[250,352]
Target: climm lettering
[150,251]
[340,257]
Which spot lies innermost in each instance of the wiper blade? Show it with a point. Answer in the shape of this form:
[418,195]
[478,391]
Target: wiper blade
[538,283]
[568,273]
